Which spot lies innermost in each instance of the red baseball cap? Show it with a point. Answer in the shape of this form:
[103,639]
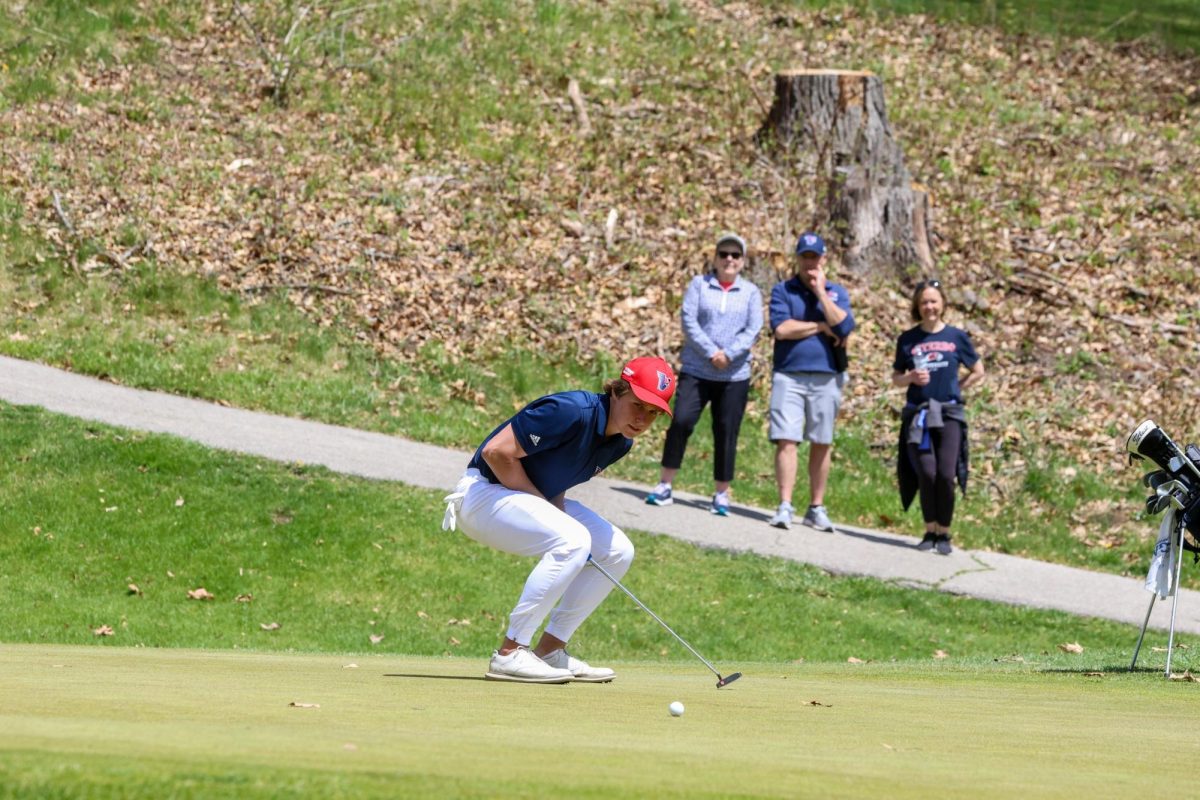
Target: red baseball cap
[652,381]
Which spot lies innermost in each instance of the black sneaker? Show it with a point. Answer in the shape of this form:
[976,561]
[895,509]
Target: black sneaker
[927,542]
[942,543]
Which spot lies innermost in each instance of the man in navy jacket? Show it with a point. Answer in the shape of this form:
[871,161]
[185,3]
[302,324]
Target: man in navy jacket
[810,316]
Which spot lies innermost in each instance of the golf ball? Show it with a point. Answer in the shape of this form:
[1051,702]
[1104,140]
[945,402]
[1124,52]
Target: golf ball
[676,709]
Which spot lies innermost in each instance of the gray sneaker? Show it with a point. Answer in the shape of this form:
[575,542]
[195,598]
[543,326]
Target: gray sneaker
[816,517]
[783,516]
[584,672]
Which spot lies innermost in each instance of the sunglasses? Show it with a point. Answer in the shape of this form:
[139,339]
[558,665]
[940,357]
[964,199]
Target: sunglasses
[728,254]
[933,284]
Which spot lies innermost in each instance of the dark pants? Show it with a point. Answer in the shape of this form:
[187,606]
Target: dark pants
[936,472]
[728,400]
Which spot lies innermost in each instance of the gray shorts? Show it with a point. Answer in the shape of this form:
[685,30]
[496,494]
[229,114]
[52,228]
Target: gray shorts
[804,406]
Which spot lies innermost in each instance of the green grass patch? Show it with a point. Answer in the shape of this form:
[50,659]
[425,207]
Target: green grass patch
[151,328]
[40,41]
[147,326]
[1169,22]
[327,562]
[123,722]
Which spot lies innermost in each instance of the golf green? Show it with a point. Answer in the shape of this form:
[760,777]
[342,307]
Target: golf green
[110,722]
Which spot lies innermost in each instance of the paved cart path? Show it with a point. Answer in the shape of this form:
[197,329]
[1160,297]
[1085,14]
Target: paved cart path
[850,551]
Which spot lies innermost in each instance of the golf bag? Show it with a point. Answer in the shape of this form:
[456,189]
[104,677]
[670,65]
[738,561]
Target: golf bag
[1176,484]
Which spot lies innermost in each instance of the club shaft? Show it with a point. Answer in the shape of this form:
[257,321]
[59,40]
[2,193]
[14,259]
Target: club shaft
[642,605]
[1175,599]
[1142,635]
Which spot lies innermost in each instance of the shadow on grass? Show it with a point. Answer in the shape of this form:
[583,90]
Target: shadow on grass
[435,677]
[1100,672]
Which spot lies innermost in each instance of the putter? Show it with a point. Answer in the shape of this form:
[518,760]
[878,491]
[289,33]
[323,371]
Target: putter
[721,680]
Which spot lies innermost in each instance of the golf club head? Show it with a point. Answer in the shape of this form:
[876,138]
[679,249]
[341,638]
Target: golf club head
[1155,479]
[728,679]
[1171,487]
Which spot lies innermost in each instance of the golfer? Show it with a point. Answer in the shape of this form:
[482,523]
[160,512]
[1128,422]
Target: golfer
[933,425]
[513,498]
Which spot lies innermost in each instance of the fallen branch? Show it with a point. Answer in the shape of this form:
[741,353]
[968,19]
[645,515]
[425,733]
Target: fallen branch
[122,259]
[1133,322]
[62,215]
[585,124]
[24,40]
[1059,294]
[303,287]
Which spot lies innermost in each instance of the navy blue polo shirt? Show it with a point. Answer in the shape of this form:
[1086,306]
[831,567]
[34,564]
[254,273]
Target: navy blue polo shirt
[563,438]
[791,299]
[941,353]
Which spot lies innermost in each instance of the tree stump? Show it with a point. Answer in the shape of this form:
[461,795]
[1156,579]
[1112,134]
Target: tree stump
[835,123]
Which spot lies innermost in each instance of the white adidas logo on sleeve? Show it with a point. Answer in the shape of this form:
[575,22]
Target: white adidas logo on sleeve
[533,437]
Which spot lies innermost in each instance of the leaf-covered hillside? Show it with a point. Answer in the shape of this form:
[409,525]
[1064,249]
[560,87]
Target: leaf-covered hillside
[418,171]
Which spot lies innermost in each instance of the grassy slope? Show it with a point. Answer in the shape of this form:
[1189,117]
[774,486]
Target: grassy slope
[148,326]
[1172,22]
[266,357]
[122,722]
[335,561]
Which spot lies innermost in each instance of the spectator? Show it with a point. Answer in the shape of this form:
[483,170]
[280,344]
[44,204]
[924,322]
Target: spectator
[810,316]
[722,316]
[933,426]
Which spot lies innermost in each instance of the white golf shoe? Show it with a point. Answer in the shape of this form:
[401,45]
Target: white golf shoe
[580,670]
[522,666]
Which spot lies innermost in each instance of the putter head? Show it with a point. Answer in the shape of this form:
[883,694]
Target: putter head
[728,679]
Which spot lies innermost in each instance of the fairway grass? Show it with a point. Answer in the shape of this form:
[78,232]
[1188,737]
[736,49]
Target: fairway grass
[141,722]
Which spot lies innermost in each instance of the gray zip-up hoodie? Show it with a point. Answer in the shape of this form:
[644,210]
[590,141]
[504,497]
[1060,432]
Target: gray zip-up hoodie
[715,319]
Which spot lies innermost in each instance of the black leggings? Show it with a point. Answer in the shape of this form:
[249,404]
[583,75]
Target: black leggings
[936,472]
[728,400]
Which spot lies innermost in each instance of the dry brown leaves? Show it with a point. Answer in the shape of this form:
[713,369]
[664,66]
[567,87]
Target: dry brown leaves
[1064,177]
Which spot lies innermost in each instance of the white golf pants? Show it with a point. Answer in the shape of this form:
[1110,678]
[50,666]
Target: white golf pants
[526,525]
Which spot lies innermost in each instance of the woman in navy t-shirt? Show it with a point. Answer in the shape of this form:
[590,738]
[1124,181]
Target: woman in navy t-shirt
[933,428]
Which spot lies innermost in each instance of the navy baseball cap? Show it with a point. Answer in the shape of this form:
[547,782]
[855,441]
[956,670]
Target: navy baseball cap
[810,243]
[652,381]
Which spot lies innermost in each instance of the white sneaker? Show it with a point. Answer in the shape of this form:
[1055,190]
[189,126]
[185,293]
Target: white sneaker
[522,666]
[580,670]
[783,516]
[661,496]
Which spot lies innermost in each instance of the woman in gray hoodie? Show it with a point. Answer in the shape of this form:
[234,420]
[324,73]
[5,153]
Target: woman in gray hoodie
[722,315]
